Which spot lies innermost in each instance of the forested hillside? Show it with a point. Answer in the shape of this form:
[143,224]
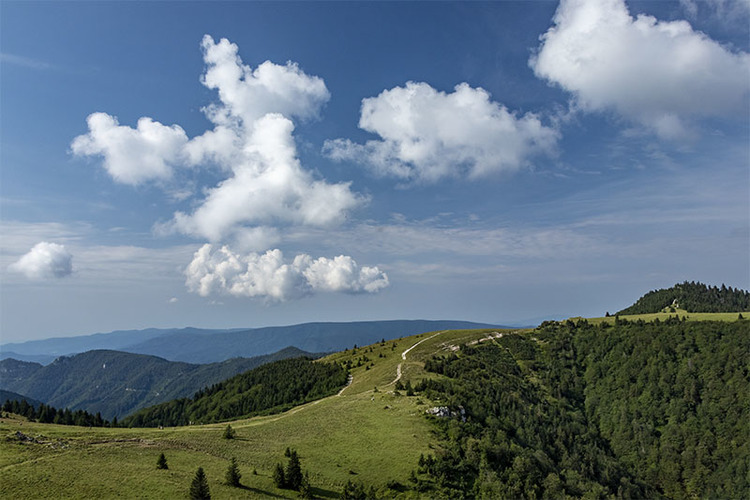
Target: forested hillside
[627,409]
[13,370]
[115,383]
[692,297]
[14,396]
[269,388]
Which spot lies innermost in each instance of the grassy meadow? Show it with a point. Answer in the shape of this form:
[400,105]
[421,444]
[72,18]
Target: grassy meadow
[664,315]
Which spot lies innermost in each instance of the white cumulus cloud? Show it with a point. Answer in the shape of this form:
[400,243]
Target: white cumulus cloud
[427,135]
[44,261]
[655,73]
[248,94]
[269,276]
[266,186]
[132,155]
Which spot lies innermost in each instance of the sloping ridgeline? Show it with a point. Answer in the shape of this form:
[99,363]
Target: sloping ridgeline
[116,383]
[692,297]
[271,388]
[631,410]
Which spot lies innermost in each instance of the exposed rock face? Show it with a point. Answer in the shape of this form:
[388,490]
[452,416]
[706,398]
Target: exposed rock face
[440,411]
[445,412]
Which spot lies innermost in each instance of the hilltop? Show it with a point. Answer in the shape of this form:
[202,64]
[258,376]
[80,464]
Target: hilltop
[691,297]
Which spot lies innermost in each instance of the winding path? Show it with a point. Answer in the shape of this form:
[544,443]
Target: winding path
[403,357]
[348,383]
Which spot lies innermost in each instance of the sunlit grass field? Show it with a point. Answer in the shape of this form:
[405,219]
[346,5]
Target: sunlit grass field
[689,316]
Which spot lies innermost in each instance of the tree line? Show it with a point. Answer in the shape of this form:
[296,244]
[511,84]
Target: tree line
[47,414]
[270,388]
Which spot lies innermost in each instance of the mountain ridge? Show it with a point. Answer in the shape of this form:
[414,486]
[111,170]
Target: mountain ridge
[208,346]
[116,383]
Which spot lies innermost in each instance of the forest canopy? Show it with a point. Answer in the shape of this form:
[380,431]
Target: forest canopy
[692,297]
[269,388]
[629,409]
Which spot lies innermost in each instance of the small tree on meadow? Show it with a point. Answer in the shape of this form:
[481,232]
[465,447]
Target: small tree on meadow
[161,463]
[228,432]
[233,475]
[278,476]
[293,473]
[199,486]
[305,489]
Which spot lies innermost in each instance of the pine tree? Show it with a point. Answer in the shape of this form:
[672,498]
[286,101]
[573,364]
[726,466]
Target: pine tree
[233,475]
[199,486]
[305,489]
[161,463]
[228,432]
[293,473]
[278,476]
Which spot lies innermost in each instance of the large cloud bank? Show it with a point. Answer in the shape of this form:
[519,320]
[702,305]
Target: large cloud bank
[252,141]
[44,261]
[427,135]
[269,276]
[266,188]
[654,73]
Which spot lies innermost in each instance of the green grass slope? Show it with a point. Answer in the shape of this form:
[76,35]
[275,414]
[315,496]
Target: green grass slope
[362,434]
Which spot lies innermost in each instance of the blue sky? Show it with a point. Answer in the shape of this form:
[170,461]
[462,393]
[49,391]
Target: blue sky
[248,164]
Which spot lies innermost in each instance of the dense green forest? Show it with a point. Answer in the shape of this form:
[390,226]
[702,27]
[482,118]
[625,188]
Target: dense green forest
[629,409]
[692,297]
[270,388]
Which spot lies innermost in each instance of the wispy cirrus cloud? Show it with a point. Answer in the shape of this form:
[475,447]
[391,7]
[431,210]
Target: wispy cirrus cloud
[26,62]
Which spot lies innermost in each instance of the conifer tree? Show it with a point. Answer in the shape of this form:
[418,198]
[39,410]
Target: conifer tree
[278,476]
[293,473]
[233,475]
[305,489]
[199,487]
[161,463]
[228,432]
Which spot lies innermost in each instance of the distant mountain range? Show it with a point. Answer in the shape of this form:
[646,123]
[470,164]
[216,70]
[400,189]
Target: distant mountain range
[194,345]
[118,383]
